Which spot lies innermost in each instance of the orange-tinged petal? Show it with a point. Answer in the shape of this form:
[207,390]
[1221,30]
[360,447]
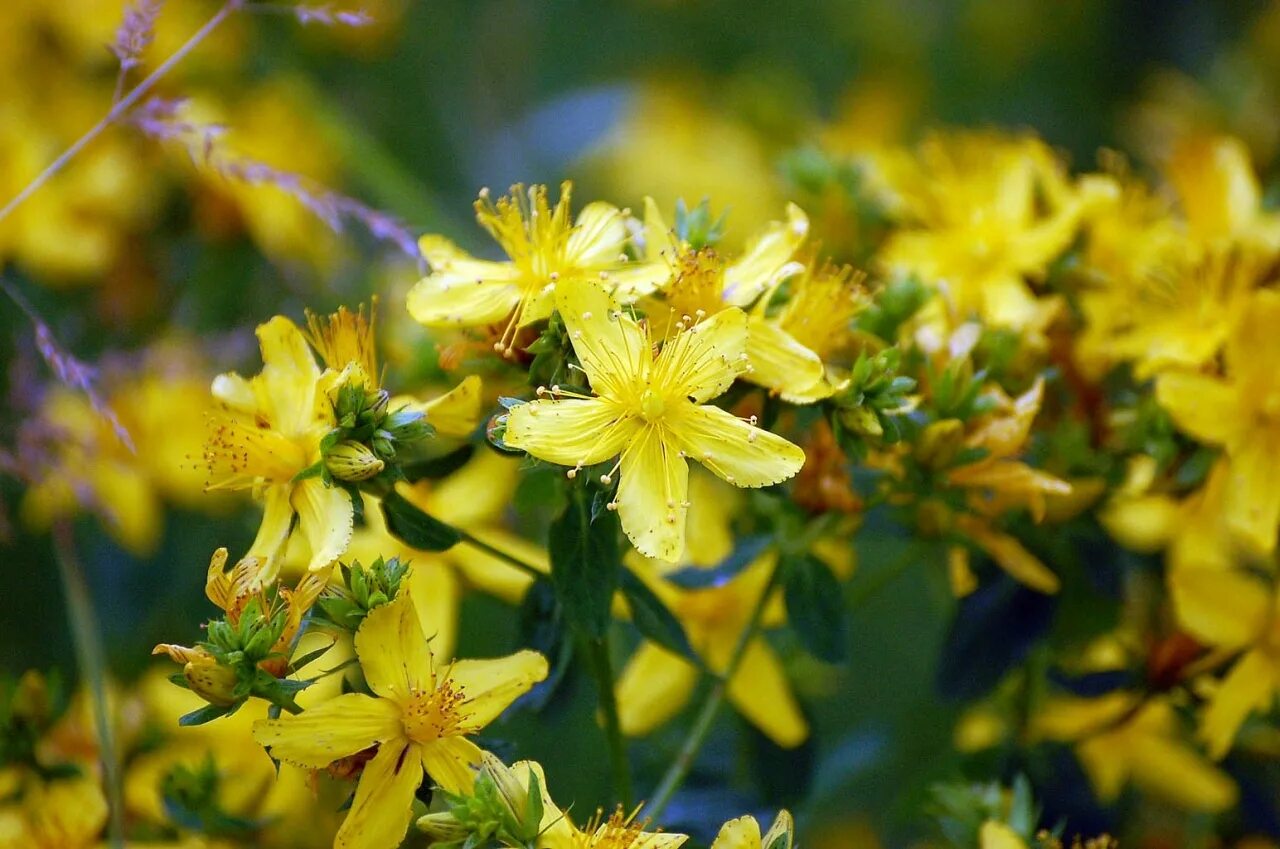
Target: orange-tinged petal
[570,431]
[329,731]
[393,651]
[760,692]
[654,686]
[380,812]
[489,687]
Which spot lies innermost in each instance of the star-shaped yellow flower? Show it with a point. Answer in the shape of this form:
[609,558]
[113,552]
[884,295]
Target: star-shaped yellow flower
[418,718]
[651,410]
[547,252]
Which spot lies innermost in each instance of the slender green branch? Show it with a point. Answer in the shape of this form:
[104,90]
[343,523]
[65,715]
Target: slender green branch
[702,724]
[86,635]
[121,106]
[602,669]
[528,568]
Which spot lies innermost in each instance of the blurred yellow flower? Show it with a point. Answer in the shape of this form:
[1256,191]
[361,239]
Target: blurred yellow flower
[65,813]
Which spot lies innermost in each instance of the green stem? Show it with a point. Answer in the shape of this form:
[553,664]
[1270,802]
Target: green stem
[528,568]
[702,724]
[602,669]
[85,635]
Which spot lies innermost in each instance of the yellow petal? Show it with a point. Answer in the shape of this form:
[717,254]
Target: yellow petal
[1249,686]
[736,451]
[325,518]
[1253,496]
[289,375]
[598,237]
[476,494]
[653,495]
[654,686]
[1254,348]
[658,840]
[636,279]
[1215,183]
[494,575]
[277,519]
[452,763]
[1228,609]
[383,804]
[436,594]
[997,835]
[570,431]
[613,351]
[703,361]
[329,731]
[457,412]
[393,651]
[760,692]
[1180,775]
[766,258]
[130,507]
[739,833]
[490,686]
[1143,523]
[1010,556]
[1203,407]
[462,290]
[779,362]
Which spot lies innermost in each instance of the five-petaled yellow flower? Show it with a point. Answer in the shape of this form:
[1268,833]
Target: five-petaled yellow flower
[418,718]
[548,252]
[652,412]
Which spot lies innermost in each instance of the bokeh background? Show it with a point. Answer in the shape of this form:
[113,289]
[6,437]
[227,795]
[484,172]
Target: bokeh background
[145,263]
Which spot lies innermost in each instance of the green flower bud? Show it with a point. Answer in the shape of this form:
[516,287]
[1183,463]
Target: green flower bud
[353,461]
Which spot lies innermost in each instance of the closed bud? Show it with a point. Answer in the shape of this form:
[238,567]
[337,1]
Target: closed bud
[353,461]
[940,442]
[443,827]
[211,681]
[861,420]
[513,793]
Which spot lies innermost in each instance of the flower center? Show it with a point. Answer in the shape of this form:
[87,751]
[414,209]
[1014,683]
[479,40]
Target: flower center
[435,714]
[651,405]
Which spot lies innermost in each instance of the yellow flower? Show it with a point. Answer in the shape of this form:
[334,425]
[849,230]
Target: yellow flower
[982,215]
[616,831]
[548,253]
[67,813]
[1241,414]
[346,337]
[1235,612]
[653,411]
[656,684]
[999,482]
[266,431]
[1120,739]
[703,283]
[419,719]
[744,833]
[1219,193]
[996,835]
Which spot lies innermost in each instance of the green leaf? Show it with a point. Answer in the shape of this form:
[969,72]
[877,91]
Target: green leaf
[816,608]
[415,527]
[585,563]
[653,619]
[208,713]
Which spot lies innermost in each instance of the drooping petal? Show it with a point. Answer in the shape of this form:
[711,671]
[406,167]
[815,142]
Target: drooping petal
[457,412]
[383,804]
[1010,555]
[1202,406]
[654,686]
[703,361]
[289,375]
[393,651]
[277,519]
[490,686]
[569,431]
[329,731]
[1253,494]
[462,290]
[766,258]
[325,518]
[779,362]
[759,690]
[1249,686]
[736,451]
[610,345]
[653,495]
[598,237]
[452,763]
[1227,609]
